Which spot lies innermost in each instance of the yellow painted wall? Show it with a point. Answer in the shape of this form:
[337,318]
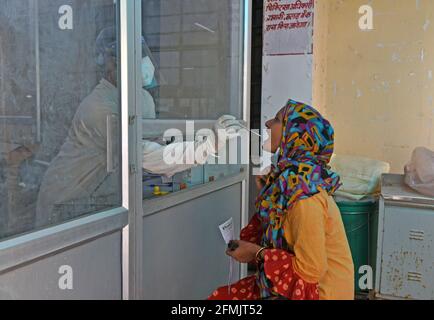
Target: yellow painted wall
[376,87]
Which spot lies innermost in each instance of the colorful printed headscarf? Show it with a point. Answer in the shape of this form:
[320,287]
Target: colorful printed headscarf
[302,170]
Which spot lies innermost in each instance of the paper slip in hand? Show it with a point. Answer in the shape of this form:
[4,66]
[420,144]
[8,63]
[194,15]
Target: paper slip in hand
[227,230]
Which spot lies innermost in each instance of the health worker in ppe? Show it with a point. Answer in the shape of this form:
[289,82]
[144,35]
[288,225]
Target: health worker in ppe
[78,180]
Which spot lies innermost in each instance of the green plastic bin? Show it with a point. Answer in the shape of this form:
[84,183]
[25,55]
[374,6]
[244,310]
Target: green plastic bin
[360,219]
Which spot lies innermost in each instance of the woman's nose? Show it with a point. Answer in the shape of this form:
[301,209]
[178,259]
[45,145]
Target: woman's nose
[267,124]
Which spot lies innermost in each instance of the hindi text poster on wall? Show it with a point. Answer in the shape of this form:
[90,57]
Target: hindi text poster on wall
[288,27]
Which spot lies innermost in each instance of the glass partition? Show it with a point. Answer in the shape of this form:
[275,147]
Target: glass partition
[59,112]
[196,49]
[191,68]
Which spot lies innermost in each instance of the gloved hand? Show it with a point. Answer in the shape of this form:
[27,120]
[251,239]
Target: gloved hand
[227,127]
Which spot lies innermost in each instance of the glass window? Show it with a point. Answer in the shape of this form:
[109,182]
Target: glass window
[191,70]
[196,49]
[59,112]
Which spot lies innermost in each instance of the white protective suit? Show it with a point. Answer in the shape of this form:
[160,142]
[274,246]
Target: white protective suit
[78,175]
[182,156]
[77,181]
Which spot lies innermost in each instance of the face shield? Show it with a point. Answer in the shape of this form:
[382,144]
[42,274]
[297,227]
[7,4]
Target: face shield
[106,51]
[106,47]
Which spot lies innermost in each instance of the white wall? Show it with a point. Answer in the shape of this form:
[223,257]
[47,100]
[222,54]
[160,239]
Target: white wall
[287,55]
[285,77]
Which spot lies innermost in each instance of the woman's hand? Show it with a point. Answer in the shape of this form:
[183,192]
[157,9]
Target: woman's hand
[245,253]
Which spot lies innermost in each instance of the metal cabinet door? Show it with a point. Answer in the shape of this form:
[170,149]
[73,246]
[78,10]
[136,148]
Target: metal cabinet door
[407,253]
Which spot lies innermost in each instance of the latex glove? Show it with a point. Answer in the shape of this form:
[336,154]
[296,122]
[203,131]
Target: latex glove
[227,127]
[154,154]
[228,123]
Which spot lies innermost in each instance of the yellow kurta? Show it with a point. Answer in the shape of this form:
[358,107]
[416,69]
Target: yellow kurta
[315,231]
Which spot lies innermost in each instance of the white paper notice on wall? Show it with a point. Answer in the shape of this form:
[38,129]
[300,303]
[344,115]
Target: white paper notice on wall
[288,27]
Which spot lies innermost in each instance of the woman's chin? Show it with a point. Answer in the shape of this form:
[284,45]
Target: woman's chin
[267,146]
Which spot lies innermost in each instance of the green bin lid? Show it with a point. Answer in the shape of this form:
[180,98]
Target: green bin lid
[356,207]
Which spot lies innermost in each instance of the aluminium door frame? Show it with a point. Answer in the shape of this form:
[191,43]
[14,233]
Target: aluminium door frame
[247,59]
[131,16]
[133,248]
[39,244]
